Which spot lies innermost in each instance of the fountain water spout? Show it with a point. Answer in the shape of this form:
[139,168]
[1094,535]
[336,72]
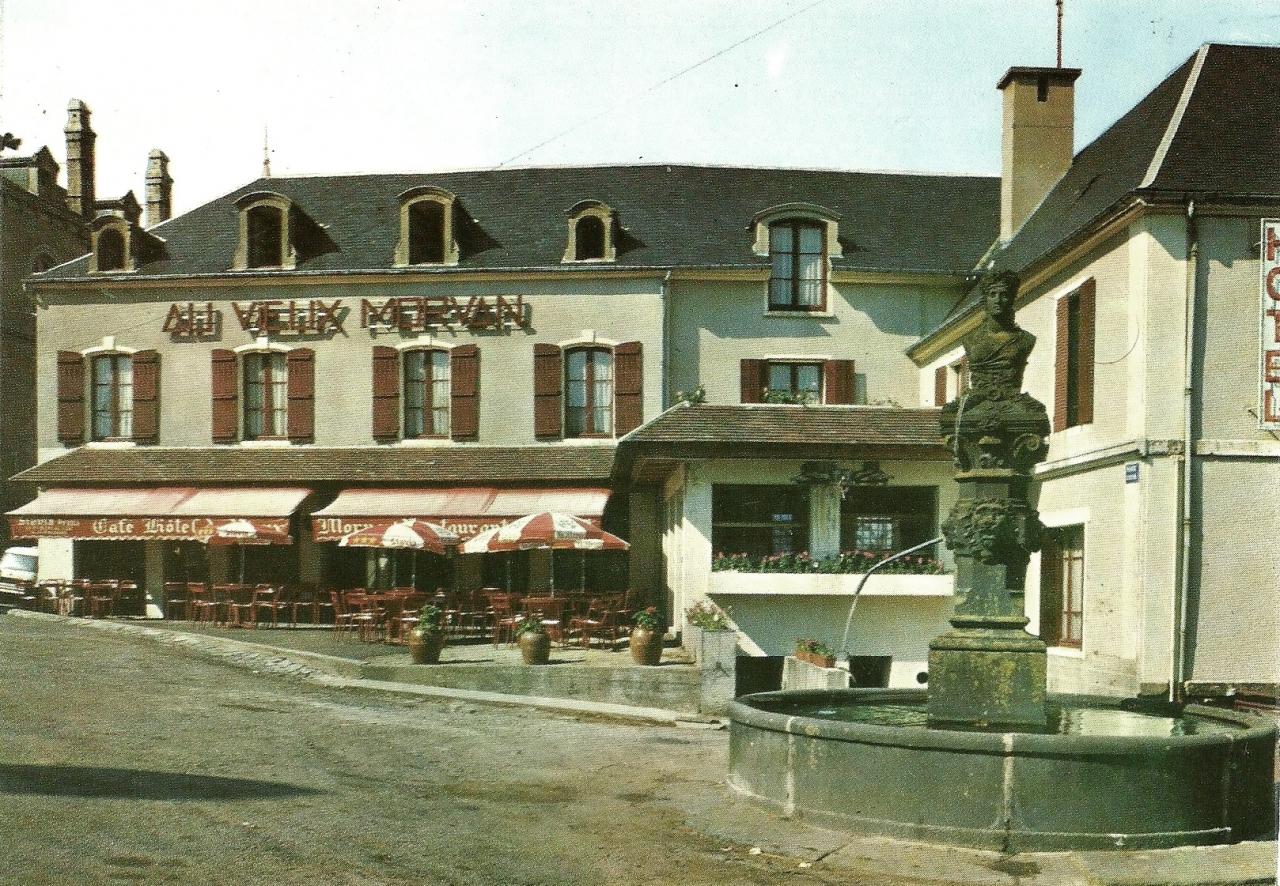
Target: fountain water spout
[843,653]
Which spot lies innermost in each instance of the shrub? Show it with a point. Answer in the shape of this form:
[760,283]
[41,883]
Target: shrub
[648,619]
[530,624]
[853,562]
[707,616]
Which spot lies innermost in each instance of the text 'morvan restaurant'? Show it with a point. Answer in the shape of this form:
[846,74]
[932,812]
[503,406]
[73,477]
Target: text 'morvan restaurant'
[738,370]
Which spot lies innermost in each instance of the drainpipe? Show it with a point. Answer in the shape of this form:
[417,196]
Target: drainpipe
[666,339]
[1177,665]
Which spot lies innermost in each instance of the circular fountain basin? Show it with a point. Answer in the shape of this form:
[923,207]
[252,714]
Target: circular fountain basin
[1100,776]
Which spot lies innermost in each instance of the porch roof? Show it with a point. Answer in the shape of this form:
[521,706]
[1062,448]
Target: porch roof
[776,431]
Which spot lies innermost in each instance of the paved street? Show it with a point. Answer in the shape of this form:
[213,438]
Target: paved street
[122,762]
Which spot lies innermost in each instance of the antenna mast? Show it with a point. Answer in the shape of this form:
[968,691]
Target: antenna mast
[1059,4]
[266,152]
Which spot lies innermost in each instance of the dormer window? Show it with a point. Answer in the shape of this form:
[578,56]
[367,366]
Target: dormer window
[427,228]
[800,239]
[112,246]
[268,231]
[591,232]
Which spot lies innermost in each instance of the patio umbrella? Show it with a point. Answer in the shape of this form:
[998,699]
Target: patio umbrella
[415,534]
[245,532]
[547,530]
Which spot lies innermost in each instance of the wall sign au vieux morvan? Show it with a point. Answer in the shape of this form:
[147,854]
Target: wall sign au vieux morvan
[319,316]
[1269,387]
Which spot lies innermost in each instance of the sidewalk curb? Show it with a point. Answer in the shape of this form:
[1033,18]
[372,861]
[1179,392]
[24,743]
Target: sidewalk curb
[344,673]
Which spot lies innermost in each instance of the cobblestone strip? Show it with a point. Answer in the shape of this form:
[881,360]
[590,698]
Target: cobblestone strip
[232,652]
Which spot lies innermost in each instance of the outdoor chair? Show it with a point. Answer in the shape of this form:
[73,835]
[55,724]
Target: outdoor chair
[502,608]
[550,611]
[602,619]
[240,607]
[177,601]
[266,599]
[101,599]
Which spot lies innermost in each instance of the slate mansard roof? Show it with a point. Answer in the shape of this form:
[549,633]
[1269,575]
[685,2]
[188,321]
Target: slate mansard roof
[313,464]
[672,216]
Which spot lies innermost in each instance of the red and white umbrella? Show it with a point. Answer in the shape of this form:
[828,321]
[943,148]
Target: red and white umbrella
[251,532]
[416,535]
[544,530]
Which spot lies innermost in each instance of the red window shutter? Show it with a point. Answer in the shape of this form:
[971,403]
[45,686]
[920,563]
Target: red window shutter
[464,392]
[386,393]
[146,397]
[753,380]
[71,397]
[628,387]
[548,392]
[226,396]
[940,386]
[1085,352]
[838,381]
[301,420]
[1061,365]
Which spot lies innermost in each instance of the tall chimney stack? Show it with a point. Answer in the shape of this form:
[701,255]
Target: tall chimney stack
[159,188]
[1037,139]
[80,164]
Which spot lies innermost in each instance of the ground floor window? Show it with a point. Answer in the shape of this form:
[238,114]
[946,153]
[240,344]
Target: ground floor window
[591,571]
[1062,586]
[759,520]
[508,570]
[264,564]
[186,561]
[888,518]
[110,560]
[387,568]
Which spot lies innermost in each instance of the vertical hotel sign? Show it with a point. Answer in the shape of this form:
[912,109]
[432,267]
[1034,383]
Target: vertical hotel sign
[1269,382]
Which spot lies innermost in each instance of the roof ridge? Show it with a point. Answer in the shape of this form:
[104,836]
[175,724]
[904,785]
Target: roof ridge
[647,165]
[1175,119]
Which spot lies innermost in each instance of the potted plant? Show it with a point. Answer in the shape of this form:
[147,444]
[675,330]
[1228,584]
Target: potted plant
[707,633]
[646,636]
[535,643]
[816,653]
[426,638]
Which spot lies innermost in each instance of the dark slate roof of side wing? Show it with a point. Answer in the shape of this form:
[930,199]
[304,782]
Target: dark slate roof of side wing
[674,216]
[1228,141]
[734,424]
[1224,145]
[305,464]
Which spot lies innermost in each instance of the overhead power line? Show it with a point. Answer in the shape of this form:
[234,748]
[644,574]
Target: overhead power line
[663,82]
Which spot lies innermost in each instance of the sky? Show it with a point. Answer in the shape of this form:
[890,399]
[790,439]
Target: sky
[351,86]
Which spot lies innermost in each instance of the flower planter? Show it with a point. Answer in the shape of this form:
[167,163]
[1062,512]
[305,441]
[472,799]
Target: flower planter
[646,646]
[425,646]
[813,658]
[535,647]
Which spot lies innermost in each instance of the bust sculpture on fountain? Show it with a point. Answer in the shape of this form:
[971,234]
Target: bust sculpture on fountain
[988,669]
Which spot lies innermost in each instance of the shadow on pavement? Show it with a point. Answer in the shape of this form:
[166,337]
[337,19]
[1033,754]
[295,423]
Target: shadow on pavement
[137,784]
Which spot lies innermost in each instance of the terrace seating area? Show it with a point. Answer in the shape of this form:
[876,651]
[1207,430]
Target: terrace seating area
[589,620]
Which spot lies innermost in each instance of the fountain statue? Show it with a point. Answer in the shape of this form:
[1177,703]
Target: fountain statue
[988,669]
[986,757]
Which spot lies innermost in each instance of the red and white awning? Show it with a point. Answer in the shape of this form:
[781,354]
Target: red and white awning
[221,515]
[465,511]
[542,531]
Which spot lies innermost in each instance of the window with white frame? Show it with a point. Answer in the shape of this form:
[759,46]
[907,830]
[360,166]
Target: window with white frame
[426,393]
[266,401]
[798,259]
[1062,586]
[588,392]
[112,396]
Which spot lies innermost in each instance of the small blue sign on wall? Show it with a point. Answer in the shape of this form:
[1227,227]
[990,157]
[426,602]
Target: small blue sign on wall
[1131,472]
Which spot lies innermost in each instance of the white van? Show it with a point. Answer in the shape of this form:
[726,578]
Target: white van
[17,575]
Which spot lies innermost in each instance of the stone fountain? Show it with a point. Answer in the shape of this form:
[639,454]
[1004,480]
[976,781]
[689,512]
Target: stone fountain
[987,757]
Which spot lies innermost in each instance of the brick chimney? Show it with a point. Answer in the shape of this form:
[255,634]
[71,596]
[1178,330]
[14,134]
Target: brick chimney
[1036,144]
[80,165]
[159,188]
